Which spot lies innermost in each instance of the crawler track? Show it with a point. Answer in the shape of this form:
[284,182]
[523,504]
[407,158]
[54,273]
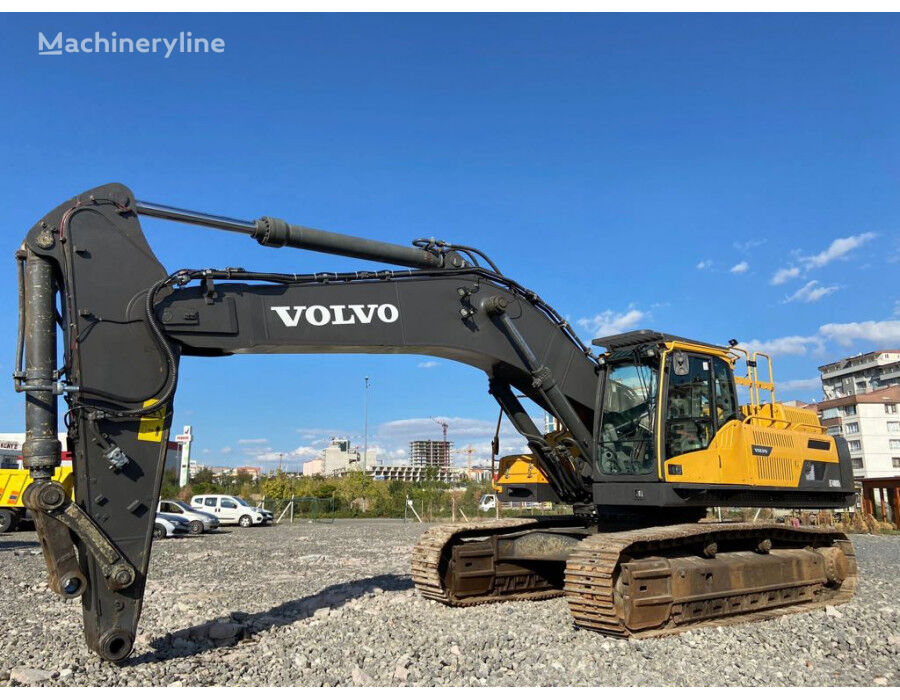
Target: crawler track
[659,580]
[430,556]
[598,601]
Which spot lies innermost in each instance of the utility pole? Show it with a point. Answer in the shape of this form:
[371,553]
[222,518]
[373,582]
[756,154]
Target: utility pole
[366,430]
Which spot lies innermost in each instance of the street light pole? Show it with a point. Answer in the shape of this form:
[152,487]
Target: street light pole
[366,430]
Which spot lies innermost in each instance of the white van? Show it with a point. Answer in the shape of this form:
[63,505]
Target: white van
[231,510]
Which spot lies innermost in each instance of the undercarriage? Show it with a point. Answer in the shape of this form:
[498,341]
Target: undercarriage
[640,582]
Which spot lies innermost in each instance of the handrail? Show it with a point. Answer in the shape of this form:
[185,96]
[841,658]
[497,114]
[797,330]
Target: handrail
[752,380]
[787,423]
[770,384]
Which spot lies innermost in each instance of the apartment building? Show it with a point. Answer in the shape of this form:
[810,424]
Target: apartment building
[870,422]
[860,374]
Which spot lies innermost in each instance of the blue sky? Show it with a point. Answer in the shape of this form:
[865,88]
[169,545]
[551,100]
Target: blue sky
[636,170]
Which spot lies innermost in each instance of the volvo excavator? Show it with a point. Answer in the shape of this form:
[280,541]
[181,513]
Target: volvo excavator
[650,430]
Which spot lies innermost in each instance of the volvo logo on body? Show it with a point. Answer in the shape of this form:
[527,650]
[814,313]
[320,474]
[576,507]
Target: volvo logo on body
[336,314]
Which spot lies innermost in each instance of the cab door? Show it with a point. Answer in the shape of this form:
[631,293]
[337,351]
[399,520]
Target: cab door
[700,403]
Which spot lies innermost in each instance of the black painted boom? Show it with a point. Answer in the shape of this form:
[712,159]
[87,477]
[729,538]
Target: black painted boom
[126,322]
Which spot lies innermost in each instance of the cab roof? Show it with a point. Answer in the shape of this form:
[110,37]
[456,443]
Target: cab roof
[632,339]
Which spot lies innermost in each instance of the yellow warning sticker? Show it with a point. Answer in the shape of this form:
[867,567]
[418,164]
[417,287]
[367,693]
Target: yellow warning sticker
[151,428]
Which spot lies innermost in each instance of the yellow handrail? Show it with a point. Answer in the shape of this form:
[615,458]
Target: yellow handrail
[787,423]
[752,380]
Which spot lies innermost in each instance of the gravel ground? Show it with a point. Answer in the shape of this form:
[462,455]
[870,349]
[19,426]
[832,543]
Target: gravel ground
[320,604]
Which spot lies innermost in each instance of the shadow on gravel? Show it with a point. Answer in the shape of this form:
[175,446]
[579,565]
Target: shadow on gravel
[242,626]
[17,544]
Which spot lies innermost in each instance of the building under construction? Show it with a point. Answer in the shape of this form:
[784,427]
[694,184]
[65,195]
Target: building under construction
[430,453]
[383,472]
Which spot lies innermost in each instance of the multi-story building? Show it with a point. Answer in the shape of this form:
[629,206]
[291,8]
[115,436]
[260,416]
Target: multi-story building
[338,458]
[430,453]
[314,467]
[861,374]
[870,422]
[382,472]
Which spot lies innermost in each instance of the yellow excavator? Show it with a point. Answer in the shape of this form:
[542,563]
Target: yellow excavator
[651,433]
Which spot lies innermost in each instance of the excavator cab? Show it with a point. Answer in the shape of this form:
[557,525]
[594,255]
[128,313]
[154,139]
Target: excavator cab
[669,414]
[695,399]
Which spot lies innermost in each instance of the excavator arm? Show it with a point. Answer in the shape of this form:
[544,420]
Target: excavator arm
[86,268]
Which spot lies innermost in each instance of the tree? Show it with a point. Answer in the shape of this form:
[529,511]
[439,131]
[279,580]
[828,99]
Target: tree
[203,476]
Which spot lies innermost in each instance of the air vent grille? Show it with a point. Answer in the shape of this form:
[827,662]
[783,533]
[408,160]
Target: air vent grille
[772,438]
[774,469]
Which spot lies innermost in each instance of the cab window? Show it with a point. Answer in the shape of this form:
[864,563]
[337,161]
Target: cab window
[689,422]
[166,508]
[625,444]
[228,503]
[726,402]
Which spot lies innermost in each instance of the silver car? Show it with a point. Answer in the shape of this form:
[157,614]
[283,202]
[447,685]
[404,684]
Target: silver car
[198,521]
[169,525]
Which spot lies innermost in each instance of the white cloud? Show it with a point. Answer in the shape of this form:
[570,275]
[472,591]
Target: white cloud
[428,364]
[882,333]
[744,246]
[740,268]
[811,291]
[252,441]
[428,429]
[787,345]
[838,249]
[308,434]
[784,274]
[703,264]
[800,384]
[611,322]
[299,454]
[879,334]
[225,450]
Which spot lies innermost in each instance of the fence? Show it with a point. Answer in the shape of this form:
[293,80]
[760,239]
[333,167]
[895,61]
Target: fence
[319,510]
[454,509]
